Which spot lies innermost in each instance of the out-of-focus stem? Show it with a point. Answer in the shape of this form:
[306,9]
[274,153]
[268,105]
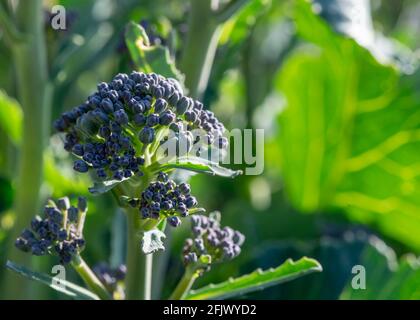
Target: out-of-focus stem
[185,284]
[200,46]
[204,29]
[30,59]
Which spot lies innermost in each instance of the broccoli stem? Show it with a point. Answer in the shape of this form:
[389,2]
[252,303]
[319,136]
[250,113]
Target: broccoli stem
[89,277]
[185,284]
[30,60]
[136,261]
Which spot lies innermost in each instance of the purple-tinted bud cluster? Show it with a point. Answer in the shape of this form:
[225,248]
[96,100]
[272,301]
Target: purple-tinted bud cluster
[109,130]
[58,233]
[209,238]
[110,277]
[163,198]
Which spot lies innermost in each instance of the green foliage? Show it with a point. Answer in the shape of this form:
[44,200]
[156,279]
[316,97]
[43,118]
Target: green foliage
[147,57]
[258,280]
[11,117]
[354,129]
[61,179]
[7,194]
[344,148]
[386,279]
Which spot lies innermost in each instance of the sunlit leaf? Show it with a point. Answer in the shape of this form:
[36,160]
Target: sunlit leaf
[258,280]
[350,133]
[65,287]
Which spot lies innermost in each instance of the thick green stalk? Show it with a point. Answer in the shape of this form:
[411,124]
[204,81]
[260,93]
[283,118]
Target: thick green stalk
[200,46]
[90,278]
[136,260]
[185,284]
[30,60]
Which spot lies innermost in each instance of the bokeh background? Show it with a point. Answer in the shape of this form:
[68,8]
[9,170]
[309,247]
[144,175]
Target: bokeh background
[335,86]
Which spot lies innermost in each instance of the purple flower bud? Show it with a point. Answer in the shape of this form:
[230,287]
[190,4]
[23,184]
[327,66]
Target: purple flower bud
[73,214]
[107,105]
[174,221]
[190,202]
[183,104]
[82,204]
[166,118]
[78,150]
[80,166]
[152,120]
[160,105]
[63,203]
[147,135]
[121,117]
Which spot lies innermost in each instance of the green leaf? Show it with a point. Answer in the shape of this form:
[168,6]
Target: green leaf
[11,117]
[355,130]
[386,279]
[67,288]
[152,241]
[258,280]
[150,58]
[100,187]
[199,165]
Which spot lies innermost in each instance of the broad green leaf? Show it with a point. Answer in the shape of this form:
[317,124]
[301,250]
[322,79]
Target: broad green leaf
[387,281]
[350,133]
[11,117]
[66,287]
[199,165]
[147,57]
[152,241]
[258,280]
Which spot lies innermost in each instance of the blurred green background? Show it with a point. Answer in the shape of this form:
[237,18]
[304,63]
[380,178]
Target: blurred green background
[335,86]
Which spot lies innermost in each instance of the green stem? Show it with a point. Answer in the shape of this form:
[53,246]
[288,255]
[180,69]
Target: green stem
[204,30]
[90,278]
[136,260]
[185,284]
[11,33]
[30,59]
[231,9]
[148,276]
[200,46]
